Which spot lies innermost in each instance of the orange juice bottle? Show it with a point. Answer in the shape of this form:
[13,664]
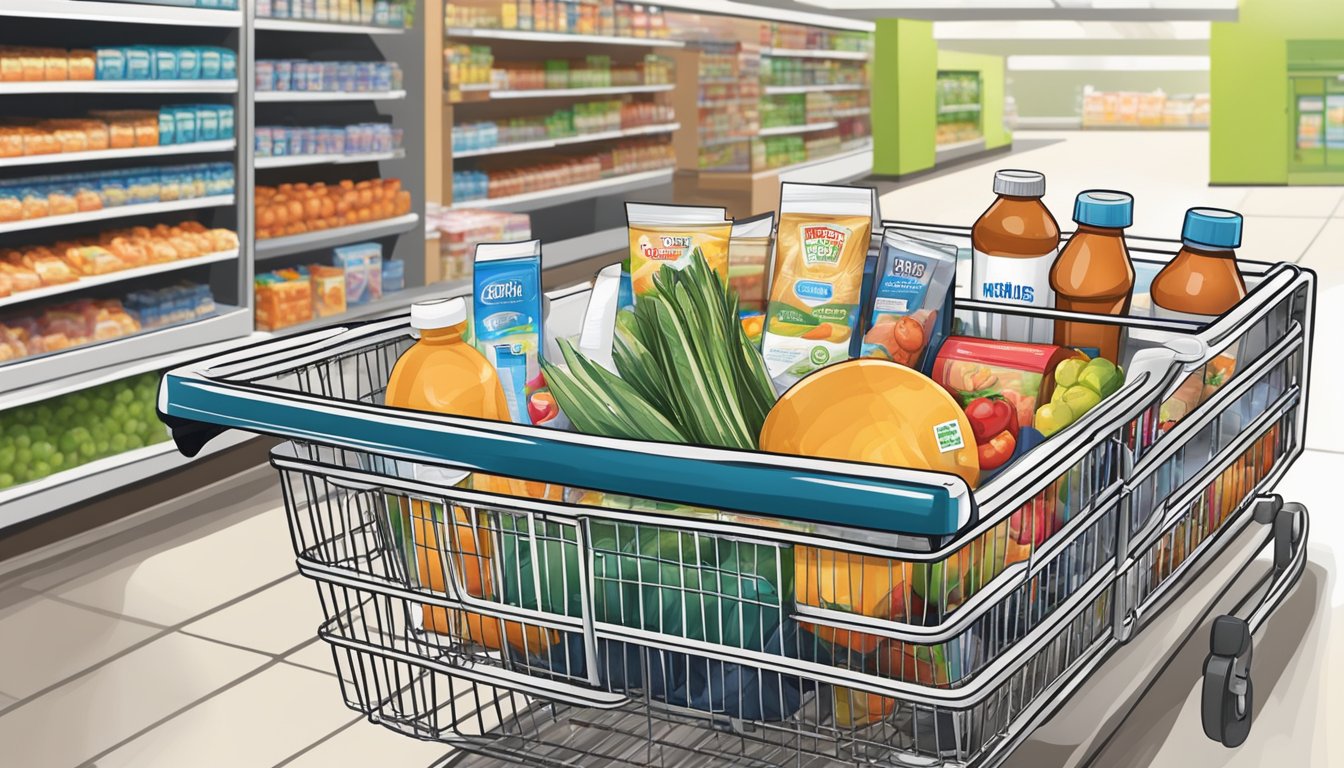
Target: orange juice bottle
[1094,274]
[444,374]
[1203,281]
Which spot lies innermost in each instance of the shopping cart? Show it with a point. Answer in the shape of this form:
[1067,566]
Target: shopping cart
[588,600]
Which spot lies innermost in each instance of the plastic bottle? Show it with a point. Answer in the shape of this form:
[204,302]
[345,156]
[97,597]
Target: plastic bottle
[1094,273]
[444,374]
[1015,242]
[1203,281]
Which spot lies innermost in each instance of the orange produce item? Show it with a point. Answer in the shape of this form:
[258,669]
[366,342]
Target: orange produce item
[877,412]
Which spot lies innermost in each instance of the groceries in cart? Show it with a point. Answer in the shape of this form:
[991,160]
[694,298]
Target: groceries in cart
[665,356]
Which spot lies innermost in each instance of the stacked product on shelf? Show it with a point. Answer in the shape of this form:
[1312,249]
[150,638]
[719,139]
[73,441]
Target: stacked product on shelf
[359,139]
[328,76]
[65,432]
[805,38]
[112,63]
[396,14]
[30,268]
[87,321]
[1148,110]
[958,107]
[787,71]
[460,231]
[592,71]
[116,129]
[42,196]
[357,275]
[581,17]
[297,208]
[503,178]
[566,122]
[728,105]
[468,65]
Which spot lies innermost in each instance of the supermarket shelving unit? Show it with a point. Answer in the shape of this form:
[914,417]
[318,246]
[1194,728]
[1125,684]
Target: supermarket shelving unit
[28,380]
[579,220]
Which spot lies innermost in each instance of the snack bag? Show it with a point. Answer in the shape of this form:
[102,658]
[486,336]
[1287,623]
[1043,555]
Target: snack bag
[913,279]
[669,234]
[819,257]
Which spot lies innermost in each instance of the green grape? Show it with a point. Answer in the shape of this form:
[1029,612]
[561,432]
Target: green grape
[69,442]
[38,432]
[133,426]
[43,450]
[23,442]
[102,447]
[65,414]
[88,450]
[125,397]
[133,442]
[57,461]
[42,414]
[23,457]
[7,456]
[118,443]
[6,480]
[40,469]
[81,403]
[118,414]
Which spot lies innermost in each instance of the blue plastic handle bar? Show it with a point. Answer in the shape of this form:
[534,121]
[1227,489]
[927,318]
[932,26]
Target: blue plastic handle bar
[863,496]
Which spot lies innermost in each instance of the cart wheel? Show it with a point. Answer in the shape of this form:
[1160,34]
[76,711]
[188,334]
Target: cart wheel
[1228,695]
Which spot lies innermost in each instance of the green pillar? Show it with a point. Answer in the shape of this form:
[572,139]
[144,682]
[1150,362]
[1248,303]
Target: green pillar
[904,98]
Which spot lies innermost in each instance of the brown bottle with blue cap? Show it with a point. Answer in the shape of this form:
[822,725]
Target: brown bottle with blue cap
[1093,273]
[1203,281]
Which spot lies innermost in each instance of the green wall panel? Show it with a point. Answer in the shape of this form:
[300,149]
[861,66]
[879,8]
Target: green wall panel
[905,69]
[1249,132]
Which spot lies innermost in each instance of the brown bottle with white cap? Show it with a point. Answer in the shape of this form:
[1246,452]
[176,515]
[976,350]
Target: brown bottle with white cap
[1015,243]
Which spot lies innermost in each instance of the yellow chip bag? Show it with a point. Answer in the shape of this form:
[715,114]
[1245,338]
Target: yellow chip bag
[820,248]
[669,234]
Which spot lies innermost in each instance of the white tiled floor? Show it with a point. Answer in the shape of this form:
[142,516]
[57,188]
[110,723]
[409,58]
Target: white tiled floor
[192,645]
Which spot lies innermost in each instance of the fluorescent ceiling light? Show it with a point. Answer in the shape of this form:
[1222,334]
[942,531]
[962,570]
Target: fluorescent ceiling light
[1070,30]
[1110,63]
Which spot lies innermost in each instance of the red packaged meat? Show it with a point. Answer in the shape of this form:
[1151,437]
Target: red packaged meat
[1021,373]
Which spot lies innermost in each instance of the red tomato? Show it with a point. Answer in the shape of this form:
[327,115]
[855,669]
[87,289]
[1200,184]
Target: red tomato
[997,451]
[989,416]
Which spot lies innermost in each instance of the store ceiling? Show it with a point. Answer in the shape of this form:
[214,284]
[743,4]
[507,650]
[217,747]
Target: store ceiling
[986,10]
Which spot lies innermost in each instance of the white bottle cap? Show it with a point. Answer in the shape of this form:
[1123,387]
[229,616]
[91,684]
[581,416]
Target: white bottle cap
[1019,183]
[438,313]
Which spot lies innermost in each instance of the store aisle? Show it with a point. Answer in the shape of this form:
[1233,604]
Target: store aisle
[190,642]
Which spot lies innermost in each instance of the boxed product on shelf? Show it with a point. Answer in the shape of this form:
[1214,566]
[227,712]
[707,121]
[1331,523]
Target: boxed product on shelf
[329,290]
[283,298]
[42,196]
[379,13]
[363,265]
[158,62]
[170,306]
[328,76]
[577,120]
[580,17]
[593,71]
[394,275]
[788,71]
[68,431]
[28,268]
[359,139]
[504,178]
[293,209]
[468,64]
[460,231]
[33,64]
[796,37]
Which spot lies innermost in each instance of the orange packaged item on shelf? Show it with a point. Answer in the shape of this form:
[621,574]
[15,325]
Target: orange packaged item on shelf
[20,277]
[11,66]
[82,64]
[39,142]
[55,65]
[6,284]
[328,290]
[34,66]
[52,270]
[93,260]
[11,142]
[282,302]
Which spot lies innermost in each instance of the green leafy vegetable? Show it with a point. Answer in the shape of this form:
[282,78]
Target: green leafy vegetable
[688,373]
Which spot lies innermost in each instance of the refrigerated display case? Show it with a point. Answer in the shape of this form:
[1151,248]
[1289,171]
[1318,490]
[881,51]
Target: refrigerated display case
[1317,130]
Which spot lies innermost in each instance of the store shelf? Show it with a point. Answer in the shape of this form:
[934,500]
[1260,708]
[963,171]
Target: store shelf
[41,377]
[783,90]
[552,93]
[119,86]
[789,130]
[295,161]
[561,37]
[121,276]
[389,304]
[125,12]
[88,481]
[854,112]
[325,27]
[558,195]
[841,166]
[196,148]
[330,238]
[282,97]
[585,138]
[118,212]
[801,53]
[950,108]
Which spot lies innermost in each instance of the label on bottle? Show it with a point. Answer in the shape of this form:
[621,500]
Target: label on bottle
[1023,281]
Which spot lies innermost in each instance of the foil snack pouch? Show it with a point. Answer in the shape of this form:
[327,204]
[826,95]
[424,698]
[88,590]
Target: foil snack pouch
[669,234]
[820,250]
